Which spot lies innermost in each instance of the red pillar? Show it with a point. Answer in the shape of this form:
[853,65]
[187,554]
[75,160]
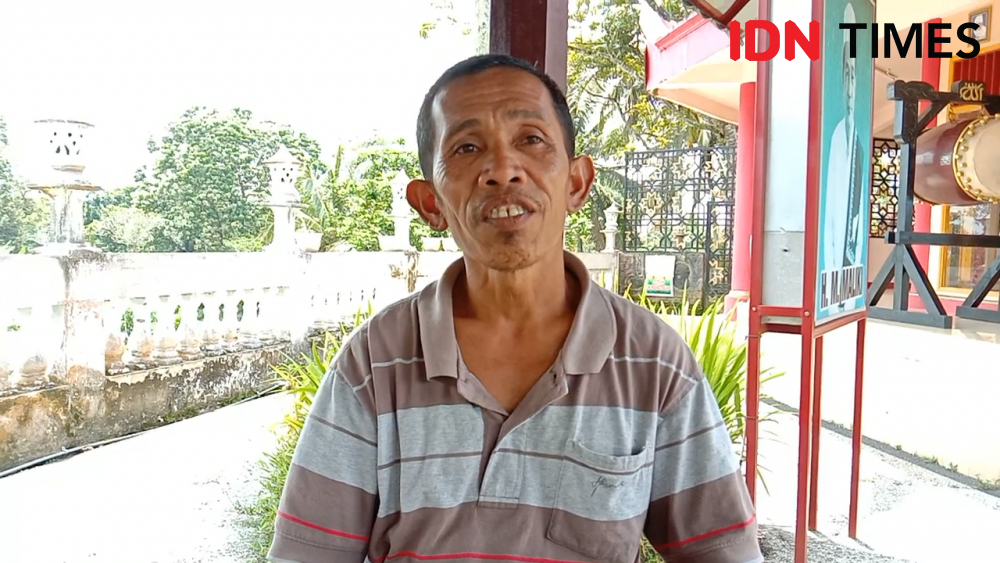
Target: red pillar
[534,30]
[743,207]
[930,72]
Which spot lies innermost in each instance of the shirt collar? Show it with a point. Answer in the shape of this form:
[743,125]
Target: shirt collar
[588,345]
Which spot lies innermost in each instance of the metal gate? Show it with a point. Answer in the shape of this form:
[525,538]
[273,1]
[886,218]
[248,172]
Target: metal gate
[682,201]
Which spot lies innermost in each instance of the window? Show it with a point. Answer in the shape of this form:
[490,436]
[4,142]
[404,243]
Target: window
[961,268]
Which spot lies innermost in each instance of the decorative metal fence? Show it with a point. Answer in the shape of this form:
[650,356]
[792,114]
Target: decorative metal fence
[885,183]
[682,200]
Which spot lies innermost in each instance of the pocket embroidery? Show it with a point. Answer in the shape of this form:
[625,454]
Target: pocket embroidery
[600,503]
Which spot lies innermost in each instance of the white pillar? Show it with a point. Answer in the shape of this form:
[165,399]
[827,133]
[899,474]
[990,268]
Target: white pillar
[59,174]
[610,228]
[402,216]
[284,200]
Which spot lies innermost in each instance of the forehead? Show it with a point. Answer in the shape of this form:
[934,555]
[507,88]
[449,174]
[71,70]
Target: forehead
[497,90]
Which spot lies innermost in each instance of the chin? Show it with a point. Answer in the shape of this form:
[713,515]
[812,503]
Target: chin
[503,257]
[510,259]
[510,251]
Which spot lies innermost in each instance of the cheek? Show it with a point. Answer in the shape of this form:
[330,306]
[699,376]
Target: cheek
[452,204]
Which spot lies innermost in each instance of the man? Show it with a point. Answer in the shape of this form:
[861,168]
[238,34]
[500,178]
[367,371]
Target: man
[844,191]
[512,410]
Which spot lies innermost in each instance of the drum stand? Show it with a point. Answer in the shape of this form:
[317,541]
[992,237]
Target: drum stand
[901,267]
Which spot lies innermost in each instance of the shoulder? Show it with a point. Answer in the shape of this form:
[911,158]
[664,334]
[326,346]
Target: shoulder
[652,350]
[389,334]
[642,330]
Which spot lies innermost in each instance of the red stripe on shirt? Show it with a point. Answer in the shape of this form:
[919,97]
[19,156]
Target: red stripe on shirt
[488,556]
[707,535]
[330,531]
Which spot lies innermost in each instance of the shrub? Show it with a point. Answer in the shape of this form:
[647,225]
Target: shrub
[723,359]
[301,378]
[720,354]
[258,518]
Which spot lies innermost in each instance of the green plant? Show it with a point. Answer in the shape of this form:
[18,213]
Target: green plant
[721,355]
[301,378]
[649,553]
[258,518]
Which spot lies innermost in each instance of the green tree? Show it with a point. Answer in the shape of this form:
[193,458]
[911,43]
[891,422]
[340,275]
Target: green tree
[23,218]
[126,229]
[471,21]
[607,84]
[208,182]
[364,198]
[613,111]
[113,223]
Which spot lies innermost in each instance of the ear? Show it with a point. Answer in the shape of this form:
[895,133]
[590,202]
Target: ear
[420,194]
[581,179]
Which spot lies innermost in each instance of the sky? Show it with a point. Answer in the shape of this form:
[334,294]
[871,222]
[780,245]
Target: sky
[338,71]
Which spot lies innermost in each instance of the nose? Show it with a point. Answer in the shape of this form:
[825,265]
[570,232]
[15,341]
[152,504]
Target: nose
[501,168]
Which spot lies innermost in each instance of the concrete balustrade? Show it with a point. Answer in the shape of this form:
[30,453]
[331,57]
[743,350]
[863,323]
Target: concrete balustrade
[98,345]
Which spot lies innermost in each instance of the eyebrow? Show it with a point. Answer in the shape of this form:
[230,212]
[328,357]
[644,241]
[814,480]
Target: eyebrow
[511,114]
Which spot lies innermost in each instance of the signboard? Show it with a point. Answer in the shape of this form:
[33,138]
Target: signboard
[782,260]
[845,171]
[660,275]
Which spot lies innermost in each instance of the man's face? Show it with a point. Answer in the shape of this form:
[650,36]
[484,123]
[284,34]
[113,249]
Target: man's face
[503,181]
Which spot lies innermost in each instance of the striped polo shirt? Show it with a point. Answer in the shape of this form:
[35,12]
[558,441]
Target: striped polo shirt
[405,456]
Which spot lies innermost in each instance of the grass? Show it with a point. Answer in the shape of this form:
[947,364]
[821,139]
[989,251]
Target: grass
[258,518]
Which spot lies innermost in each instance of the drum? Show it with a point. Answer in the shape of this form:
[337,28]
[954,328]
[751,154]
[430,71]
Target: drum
[958,163]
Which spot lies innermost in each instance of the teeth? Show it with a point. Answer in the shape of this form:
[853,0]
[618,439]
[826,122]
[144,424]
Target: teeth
[507,211]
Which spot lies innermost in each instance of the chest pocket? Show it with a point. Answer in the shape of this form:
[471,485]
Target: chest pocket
[601,503]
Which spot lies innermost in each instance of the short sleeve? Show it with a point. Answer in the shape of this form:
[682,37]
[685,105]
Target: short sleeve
[700,510]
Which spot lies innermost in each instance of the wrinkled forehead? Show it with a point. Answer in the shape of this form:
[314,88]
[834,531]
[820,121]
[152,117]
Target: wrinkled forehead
[503,93]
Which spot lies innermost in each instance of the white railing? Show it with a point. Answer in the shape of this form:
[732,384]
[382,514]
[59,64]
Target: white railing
[82,319]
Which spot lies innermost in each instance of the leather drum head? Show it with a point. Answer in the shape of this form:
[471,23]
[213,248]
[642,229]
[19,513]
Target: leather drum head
[977,159]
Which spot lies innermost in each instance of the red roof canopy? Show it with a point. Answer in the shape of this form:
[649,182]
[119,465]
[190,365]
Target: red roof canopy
[719,11]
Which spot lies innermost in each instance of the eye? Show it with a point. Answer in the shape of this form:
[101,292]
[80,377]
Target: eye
[533,139]
[465,148]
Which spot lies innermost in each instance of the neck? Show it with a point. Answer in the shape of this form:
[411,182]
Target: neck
[539,293]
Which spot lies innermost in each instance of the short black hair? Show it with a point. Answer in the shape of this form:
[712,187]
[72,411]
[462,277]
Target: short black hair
[475,65]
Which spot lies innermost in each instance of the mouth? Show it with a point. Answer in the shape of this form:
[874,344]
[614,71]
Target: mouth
[507,212]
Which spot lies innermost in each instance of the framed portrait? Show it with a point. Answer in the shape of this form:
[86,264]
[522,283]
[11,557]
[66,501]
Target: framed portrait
[981,17]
